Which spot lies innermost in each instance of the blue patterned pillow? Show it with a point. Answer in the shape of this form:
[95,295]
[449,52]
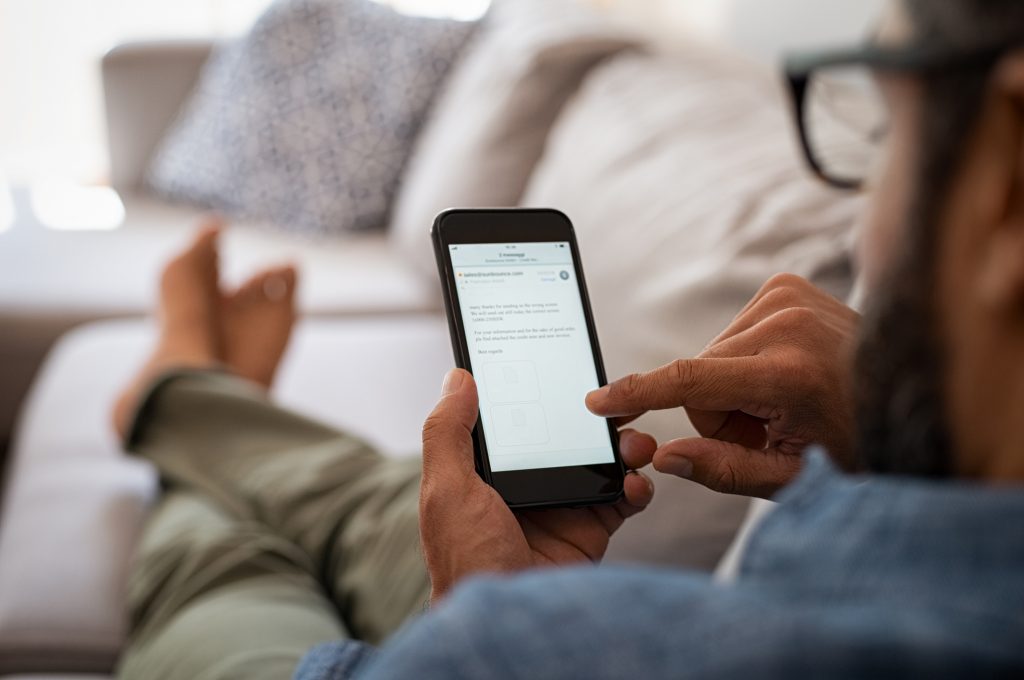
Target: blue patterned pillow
[308,120]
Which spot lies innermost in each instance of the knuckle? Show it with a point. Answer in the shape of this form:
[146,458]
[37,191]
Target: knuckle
[628,388]
[429,498]
[780,298]
[432,427]
[683,372]
[634,384]
[437,431]
[432,506]
[797,318]
[784,280]
[785,367]
[801,371]
[789,361]
[725,478]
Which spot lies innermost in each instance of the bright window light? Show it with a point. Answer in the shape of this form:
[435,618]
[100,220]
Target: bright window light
[6,208]
[65,206]
[465,10]
[59,129]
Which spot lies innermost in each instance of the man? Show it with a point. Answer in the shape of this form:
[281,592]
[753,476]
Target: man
[265,545]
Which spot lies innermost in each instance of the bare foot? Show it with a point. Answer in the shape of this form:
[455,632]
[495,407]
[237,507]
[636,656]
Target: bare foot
[257,323]
[190,330]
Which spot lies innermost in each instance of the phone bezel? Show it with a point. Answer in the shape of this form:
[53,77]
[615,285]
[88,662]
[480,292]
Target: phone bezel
[544,487]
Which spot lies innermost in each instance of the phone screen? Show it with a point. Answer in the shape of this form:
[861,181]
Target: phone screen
[530,352]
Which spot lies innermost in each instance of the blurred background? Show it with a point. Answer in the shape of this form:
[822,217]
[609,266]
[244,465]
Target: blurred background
[52,121]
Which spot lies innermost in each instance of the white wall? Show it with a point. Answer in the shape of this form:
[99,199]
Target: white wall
[762,28]
[765,27]
[51,117]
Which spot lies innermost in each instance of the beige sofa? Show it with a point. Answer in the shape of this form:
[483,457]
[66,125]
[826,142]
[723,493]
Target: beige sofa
[678,169]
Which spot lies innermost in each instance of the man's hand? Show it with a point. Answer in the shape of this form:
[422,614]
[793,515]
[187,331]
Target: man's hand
[777,380]
[465,526]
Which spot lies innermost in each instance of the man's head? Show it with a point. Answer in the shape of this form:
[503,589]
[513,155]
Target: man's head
[940,370]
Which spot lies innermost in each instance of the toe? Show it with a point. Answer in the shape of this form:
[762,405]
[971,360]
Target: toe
[210,227]
[289,274]
[279,285]
[201,252]
[285,279]
[275,285]
[251,291]
[205,252]
[205,240]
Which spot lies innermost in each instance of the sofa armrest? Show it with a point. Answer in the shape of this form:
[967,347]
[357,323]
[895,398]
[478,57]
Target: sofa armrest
[145,85]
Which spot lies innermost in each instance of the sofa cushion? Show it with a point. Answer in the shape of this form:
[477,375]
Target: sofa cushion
[144,85]
[307,121]
[69,525]
[487,131]
[682,176]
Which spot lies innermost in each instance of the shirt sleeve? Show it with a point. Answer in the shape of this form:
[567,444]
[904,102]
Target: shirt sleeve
[586,622]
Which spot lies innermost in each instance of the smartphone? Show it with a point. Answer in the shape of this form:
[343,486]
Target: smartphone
[521,323]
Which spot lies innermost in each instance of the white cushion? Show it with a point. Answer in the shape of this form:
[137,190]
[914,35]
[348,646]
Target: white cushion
[487,130]
[687,190]
[341,371]
[767,30]
[144,87]
[70,522]
[74,502]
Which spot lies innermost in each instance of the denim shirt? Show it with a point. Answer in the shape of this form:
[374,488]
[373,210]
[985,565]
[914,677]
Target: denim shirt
[848,577]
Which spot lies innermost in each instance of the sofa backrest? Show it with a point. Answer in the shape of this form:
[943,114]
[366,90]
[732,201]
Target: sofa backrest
[144,87]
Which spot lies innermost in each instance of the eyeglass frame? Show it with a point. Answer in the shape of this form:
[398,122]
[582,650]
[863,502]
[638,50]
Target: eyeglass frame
[800,67]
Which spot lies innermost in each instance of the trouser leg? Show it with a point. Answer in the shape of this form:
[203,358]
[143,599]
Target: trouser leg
[347,515]
[215,598]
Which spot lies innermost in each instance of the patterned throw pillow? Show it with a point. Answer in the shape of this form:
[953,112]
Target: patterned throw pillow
[308,120]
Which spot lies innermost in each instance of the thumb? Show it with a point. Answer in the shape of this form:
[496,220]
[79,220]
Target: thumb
[447,432]
[727,467]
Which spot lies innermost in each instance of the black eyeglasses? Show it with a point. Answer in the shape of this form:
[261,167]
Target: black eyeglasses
[841,115]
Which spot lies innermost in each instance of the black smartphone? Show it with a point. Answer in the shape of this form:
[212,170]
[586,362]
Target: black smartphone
[521,323]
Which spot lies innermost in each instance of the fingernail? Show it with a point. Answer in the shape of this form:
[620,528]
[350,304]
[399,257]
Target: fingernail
[452,382]
[679,466]
[598,395]
[647,480]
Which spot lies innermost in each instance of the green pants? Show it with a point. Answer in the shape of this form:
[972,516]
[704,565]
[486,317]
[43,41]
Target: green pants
[273,533]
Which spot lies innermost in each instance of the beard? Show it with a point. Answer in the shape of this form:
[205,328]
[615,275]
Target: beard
[899,400]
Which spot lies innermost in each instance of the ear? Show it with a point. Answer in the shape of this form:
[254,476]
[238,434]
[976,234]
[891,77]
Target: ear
[1002,276]
[1009,82]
